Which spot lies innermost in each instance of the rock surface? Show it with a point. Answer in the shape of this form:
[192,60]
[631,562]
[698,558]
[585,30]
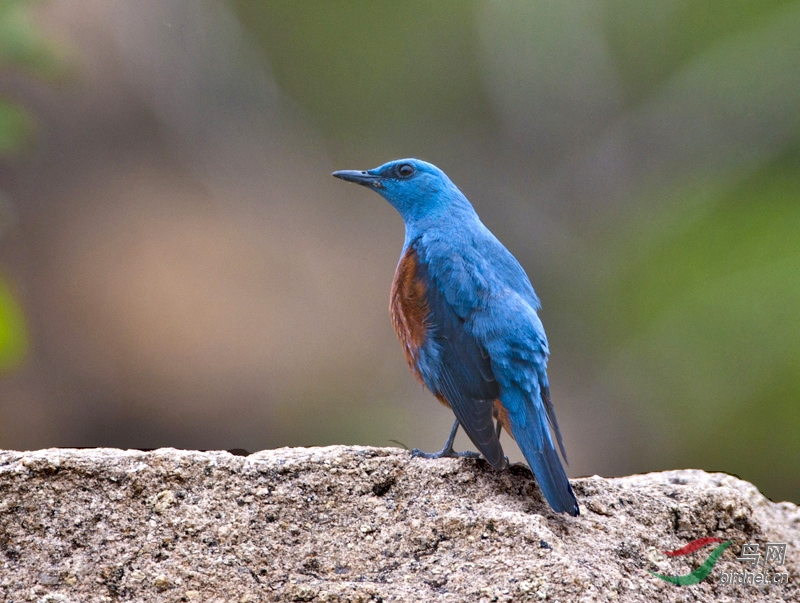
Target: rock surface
[365,524]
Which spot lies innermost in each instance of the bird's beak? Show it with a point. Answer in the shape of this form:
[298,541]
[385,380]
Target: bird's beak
[359,177]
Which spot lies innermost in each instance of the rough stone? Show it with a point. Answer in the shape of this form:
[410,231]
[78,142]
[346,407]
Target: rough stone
[365,524]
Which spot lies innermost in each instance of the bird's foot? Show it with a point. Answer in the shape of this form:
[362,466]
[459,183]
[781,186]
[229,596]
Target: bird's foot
[444,453]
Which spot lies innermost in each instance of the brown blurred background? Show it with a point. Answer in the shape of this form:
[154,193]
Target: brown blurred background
[177,267]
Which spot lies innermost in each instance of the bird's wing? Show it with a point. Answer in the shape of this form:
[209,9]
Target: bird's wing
[514,338]
[451,362]
[486,269]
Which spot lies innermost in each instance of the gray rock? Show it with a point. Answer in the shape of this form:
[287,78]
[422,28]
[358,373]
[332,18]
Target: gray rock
[365,524]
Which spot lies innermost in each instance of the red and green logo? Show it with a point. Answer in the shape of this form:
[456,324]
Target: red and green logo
[701,572]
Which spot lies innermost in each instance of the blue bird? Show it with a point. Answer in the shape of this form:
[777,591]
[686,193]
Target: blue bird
[465,313]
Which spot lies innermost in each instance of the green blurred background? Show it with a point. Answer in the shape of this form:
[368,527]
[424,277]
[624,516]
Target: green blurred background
[177,267]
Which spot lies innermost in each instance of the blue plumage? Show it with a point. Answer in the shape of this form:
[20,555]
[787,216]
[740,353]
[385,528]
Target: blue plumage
[465,312]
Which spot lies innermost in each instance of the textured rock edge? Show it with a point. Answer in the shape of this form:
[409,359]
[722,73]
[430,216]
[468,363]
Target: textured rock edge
[357,523]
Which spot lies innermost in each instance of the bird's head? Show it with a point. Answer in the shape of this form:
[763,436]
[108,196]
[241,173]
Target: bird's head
[417,189]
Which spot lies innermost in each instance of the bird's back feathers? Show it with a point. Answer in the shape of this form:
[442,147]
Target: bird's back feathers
[485,350]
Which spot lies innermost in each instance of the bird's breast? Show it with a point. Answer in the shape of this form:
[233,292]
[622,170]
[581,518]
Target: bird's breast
[410,308]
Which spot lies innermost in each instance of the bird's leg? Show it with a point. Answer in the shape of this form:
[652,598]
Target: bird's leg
[447,451]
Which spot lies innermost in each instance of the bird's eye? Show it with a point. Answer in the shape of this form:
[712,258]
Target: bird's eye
[405,170]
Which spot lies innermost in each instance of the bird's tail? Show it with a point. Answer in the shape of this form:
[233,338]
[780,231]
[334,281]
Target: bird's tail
[531,431]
